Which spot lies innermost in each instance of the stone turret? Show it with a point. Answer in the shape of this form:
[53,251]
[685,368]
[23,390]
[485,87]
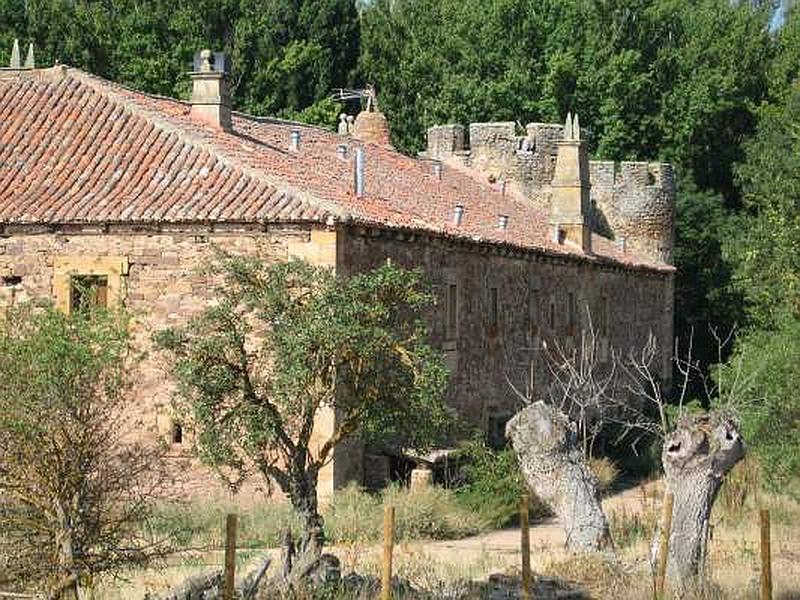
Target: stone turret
[570,201]
[632,203]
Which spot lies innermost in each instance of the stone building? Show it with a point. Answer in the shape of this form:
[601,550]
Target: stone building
[521,236]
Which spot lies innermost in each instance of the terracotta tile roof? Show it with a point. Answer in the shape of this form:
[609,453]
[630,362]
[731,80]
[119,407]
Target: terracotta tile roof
[79,149]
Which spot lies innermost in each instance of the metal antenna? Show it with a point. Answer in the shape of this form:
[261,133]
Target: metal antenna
[368,94]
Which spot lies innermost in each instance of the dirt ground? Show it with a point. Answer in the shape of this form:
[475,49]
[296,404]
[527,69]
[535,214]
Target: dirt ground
[733,567]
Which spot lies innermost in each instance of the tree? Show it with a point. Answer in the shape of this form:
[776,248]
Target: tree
[764,251]
[284,55]
[74,496]
[769,365]
[283,342]
[698,450]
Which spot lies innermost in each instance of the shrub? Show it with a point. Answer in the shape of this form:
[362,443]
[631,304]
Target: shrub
[201,525]
[353,517]
[432,513]
[492,484]
[605,470]
[764,376]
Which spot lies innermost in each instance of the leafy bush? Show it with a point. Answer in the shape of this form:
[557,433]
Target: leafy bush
[605,470]
[763,377]
[492,485]
[201,525]
[432,513]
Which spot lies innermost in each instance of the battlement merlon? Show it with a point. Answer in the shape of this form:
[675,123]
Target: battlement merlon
[633,202]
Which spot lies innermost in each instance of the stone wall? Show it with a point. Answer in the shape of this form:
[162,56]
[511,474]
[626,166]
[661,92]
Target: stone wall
[634,201]
[161,286]
[625,306]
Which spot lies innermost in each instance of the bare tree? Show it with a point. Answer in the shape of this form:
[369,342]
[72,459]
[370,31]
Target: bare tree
[553,437]
[586,396]
[73,495]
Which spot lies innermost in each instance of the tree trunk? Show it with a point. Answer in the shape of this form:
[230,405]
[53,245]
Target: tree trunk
[544,440]
[696,457]
[302,557]
[67,587]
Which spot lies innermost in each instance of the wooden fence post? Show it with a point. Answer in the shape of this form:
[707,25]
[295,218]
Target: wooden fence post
[388,549]
[663,551]
[230,557]
[524,524]
[766,556]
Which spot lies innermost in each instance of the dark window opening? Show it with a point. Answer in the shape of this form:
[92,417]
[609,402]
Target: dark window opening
[533,320]
[11,280]
[493,309]
[496,430]
[88,292]
[571,314]
[451,311]
[552,319]
[177,433]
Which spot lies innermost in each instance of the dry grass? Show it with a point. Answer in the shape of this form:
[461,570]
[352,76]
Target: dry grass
[605,470]
[732,572]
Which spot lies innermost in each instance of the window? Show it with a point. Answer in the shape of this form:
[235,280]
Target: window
[496,428]
[83,280]
[533,313]
[552,315]
[87,292]
[571,312]
[11,280]
[177,433]
[451,311]
[493,310]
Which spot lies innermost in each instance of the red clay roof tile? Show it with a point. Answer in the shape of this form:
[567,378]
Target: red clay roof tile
[79,149]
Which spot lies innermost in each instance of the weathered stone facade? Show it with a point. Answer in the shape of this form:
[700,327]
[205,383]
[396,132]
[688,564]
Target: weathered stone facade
[632,202]
[102,181]
[161,285]
[538,298]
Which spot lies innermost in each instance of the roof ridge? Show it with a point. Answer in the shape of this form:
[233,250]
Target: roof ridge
[111,90]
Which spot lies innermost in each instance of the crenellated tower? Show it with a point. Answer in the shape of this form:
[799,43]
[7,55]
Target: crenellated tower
[632,203]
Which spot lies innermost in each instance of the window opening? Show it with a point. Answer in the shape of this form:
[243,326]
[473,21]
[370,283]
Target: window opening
[88,292]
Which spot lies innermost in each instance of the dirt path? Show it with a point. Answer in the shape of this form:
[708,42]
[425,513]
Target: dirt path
[499,551]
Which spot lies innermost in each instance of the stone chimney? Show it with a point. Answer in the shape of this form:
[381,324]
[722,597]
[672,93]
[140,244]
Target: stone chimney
[570,202]
[211,103]
[371,125]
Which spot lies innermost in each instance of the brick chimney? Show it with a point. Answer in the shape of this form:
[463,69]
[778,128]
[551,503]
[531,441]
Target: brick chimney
[570,202]
[211,103]
[371,124]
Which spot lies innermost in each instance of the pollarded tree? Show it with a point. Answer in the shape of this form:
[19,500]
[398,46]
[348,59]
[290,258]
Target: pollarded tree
[626,392]
[284,341]
[74,495]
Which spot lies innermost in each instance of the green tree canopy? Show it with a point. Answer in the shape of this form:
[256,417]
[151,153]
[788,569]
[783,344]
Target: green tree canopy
[74,494]
[286,55]
[765,246]
[282,343]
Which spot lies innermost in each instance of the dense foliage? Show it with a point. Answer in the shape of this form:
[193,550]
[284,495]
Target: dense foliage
[73,493]
[765,373]
[286,54]
[283,342]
